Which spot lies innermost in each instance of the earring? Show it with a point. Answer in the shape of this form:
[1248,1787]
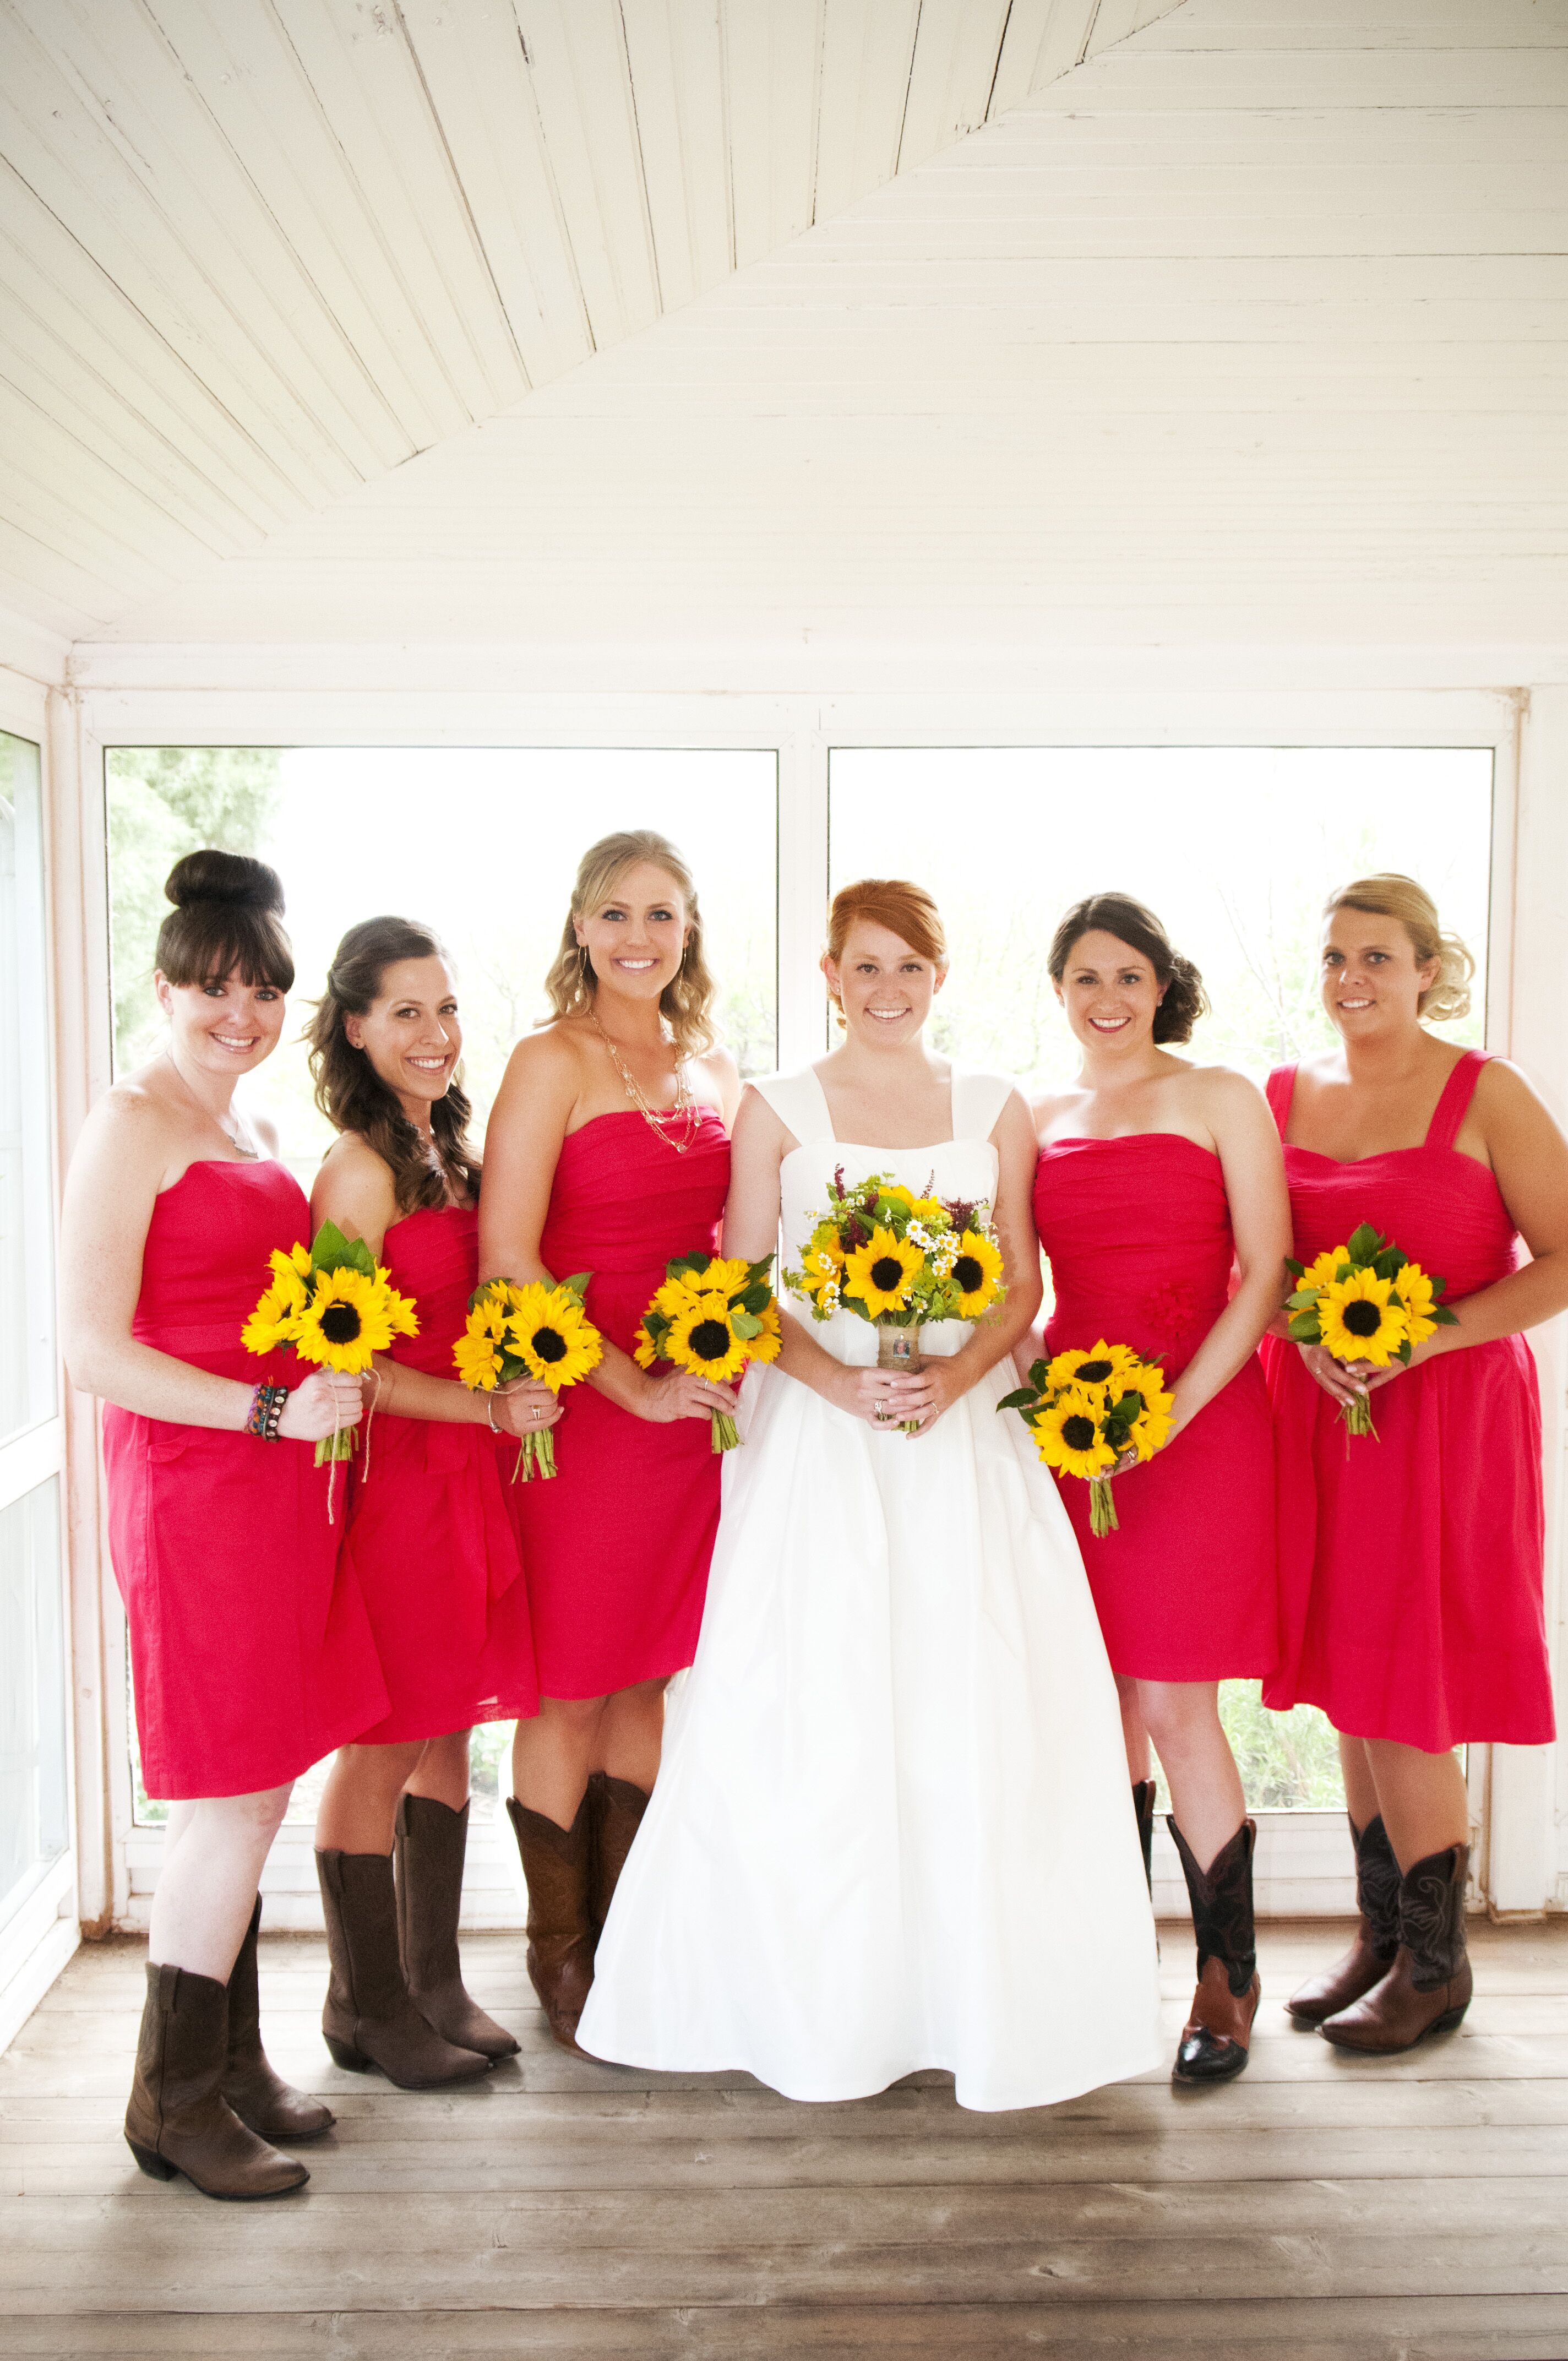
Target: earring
[583,961]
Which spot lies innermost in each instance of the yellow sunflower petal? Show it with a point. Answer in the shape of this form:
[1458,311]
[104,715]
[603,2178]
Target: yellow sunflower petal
[1068,1436]
[1360,1320]
[879,1274]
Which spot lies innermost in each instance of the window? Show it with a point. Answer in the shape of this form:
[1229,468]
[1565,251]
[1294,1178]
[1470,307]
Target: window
[1236,849]
[28,1391]
[34,1823]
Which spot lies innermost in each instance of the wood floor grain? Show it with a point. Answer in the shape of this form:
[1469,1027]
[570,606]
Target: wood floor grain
[1324,2209]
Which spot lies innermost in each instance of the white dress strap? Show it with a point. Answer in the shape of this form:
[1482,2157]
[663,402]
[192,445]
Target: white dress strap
[800,1104]
[978,1101]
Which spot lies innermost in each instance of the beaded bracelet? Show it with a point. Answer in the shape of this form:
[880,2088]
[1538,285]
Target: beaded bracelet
[266,1411]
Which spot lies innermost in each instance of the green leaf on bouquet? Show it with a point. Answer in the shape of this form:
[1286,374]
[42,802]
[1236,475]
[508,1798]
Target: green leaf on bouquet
[1025,1400]
[1298,1269]
[695,1262]
[1364,1245]
[760,1272]
[1443,1316]
[1404,1353]
[1390,1262]
[1438,1286]
[1304,1299]
[577,1284]
[745,1325]
[753,1299]
[1303,1328]
[1039,1375]
[330,1250]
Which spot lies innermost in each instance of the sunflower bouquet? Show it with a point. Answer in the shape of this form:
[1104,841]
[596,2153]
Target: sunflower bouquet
[539,1332]
[712,1315]
[1365,1301]
[898,1260]
[1085,1409]
[332,1303]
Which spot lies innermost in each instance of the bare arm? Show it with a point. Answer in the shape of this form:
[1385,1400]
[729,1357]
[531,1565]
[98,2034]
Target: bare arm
[1253,1166]
[128,1150]
[994,1336]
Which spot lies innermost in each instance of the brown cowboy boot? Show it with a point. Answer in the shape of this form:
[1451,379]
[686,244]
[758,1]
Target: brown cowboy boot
[260,2097]
[1214,2040]
[177,2120]
[558,1864]
[1143,1806]
[618,1816]
[1371,1955]
[1428,1988]
[428,1847]
[368,2019]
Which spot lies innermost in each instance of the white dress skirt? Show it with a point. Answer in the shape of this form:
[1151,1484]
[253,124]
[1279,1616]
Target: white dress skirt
[893,1826]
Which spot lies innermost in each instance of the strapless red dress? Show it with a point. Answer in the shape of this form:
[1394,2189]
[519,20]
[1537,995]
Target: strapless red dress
[1411,1564]
[251,1654]
[428,1536]
[1138,1234]
[616,1549]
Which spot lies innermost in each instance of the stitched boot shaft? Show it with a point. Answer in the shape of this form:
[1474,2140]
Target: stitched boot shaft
[1143,1807]
[1371,1955]
[618,1816]
[177,2120]
[428,1850]
[1429,1987]
[368,2019]
[558,1866]
[260,2097]
[1215,2039]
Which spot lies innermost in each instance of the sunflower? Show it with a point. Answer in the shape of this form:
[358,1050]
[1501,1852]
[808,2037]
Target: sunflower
[644,1352]
[349,1318]
[879,1273]
[275,1320]
[1068,1435]
[1152,1425]
[1418,1300]
[1103,1364]
[293,1265]
[1359,1319]
[702,1339]
[1323,1272]
[768,1345]
[479,1351]
[976,1274]
[552,1334]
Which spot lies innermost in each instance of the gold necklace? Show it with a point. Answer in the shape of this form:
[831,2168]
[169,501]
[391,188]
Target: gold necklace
[685,1103]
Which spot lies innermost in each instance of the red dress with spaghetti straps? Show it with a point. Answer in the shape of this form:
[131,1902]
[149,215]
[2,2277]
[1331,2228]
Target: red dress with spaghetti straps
[251,1656]
[429,1536]
[616,1549]
[1138,1233]
[1411,1562]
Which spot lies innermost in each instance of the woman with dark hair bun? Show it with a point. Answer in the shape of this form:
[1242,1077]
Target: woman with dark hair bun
[428,1537]
[1156,1176]
[250,1651]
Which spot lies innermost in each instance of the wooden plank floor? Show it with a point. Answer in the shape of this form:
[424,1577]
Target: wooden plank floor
[1323,2209]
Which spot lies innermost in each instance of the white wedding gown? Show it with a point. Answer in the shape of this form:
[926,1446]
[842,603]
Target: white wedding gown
[893,1826]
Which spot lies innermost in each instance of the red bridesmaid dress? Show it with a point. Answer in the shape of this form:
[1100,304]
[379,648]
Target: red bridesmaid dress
[251,1654]
[1138,1233]
[1411,1564]
[616,1549]
[429,1537]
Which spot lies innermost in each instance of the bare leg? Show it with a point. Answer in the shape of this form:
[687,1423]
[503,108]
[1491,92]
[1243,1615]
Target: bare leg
[442,1771]
[556,1753]
[632,1734]
[1422,1798]
[1134,1735]
[1206,1797]
[1360,1787]
[206,1888]
[359,1802]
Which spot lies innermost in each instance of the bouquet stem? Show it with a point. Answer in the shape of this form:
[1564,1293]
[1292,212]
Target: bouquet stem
[1103,1518]
[535,1457]
[899,1348]
[341,1444]
[1357,1417]
[726,1434]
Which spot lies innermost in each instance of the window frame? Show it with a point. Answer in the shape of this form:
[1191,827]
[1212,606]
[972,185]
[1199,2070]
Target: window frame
[1303,1863]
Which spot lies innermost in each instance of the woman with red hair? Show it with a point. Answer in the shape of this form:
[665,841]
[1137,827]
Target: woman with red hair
[892,1796]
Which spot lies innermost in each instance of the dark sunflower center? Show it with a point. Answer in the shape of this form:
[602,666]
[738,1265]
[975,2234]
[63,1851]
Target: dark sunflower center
[969,1274]
[887,1275]
[710,1340]
[550,1344]
[1093,1373]
[1363,1317]
[1078,1432]
[340,1323]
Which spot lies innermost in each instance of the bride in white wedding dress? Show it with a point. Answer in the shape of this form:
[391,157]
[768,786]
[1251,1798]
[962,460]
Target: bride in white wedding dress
[893,1828]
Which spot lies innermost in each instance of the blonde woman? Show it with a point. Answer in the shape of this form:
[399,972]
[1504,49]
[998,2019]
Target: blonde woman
[609,1151]
[1412,1566]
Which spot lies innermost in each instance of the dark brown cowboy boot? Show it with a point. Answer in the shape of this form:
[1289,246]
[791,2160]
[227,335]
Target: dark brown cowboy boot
[558,1864]
[177,2120]
[260,2097]
[428,1848]
[1214,2040]
[1371,1955]
[618,1816]
[1428,1988]
[369,2019]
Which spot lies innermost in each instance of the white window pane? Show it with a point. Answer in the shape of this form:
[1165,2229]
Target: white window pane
[27,1261]
[34,1827]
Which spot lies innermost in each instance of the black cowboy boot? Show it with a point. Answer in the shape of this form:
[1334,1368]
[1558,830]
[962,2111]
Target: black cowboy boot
[1214,2038]
[1371,1955]
[1143,1807]
[1428,1988]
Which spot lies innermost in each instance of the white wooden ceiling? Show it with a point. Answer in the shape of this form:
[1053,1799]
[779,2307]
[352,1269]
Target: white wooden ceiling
[257,253]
